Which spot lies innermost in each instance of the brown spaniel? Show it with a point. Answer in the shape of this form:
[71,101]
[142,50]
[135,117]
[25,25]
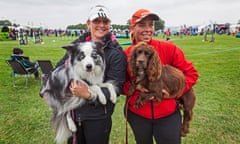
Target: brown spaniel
[145,65]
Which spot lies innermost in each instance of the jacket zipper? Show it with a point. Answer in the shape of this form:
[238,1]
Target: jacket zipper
[152,109]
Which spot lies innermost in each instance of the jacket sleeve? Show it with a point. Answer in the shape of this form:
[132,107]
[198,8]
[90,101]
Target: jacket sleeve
[127,81]
[116,64]
[191,75]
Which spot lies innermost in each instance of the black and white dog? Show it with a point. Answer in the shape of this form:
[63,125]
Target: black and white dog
[86,64]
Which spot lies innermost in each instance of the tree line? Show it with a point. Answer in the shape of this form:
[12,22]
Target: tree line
[159,25]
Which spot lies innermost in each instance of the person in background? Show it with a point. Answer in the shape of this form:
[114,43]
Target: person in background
[93,121]
[158,120]
[17,55]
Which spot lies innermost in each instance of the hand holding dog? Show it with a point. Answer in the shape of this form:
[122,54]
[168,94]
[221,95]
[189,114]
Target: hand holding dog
[166,94]
[141,88]
[79,89]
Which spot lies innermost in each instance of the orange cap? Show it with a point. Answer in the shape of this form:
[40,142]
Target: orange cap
[141,14]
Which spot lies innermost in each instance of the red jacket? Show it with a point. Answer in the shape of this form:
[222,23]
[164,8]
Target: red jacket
[172,55]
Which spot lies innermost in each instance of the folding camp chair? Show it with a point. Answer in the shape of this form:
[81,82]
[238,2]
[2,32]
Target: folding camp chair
[21,57]
[45,66]
[18,68]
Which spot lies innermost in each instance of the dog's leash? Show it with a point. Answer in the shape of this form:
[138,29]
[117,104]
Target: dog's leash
[126,119]
[74,133]
[128,97]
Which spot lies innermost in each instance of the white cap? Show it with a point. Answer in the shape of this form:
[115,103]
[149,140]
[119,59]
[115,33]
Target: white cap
[98,11]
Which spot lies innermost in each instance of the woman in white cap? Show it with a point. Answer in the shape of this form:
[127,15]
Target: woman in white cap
[158,120]
[93,120]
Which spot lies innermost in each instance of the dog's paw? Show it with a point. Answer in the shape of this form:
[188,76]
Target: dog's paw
[110,87]
[96,90]
[71,125]
[113,98]
[102,99]
[113,95]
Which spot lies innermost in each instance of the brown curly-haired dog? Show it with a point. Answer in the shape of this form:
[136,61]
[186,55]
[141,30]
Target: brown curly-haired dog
[144,63]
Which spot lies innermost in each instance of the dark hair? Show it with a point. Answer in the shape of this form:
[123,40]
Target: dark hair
[17,51]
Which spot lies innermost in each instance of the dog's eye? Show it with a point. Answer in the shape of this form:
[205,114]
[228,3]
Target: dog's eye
[146,53]
[94,55]
[139,52]
[81,56]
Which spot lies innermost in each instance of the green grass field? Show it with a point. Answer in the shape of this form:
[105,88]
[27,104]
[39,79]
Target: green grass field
[24,117]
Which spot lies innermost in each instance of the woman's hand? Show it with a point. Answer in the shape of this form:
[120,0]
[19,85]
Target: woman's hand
[141,88]
[79,89]
[166,94]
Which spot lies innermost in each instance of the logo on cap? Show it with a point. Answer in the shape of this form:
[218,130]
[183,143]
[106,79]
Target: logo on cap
[101,13]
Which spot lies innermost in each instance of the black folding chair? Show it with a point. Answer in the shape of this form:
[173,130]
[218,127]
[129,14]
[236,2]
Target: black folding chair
[21,57]
[19,69]
[46,67]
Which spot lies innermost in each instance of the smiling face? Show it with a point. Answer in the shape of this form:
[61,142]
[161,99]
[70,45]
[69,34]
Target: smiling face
[98,27]
[143,30]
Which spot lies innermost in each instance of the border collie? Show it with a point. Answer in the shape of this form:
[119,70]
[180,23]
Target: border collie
[86,64]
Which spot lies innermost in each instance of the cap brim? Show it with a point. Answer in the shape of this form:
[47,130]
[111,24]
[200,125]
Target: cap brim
[151,15]
[154,16]
[97,16]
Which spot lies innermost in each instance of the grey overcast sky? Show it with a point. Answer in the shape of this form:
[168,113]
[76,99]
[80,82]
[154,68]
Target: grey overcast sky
[61,13]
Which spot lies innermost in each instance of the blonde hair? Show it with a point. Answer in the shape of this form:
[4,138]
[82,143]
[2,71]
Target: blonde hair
[131,36]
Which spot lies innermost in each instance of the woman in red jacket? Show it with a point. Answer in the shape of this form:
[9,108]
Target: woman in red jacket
[160,120]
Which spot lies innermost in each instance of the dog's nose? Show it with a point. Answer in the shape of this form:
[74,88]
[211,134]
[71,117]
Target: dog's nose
[89,67]
[40,94]
[140,61]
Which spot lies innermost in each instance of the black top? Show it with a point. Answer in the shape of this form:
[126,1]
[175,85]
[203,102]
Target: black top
[116,64]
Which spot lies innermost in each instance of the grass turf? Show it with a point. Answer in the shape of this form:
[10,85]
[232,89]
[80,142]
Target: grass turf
[25,117]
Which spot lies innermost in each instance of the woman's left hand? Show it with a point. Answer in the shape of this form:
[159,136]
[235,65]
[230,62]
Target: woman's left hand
[166,94]
[79,89]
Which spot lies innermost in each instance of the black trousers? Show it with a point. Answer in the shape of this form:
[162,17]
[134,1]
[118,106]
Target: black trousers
[164,130]
[92,132]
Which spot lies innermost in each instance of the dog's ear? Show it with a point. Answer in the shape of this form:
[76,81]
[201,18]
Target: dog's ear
[132,62]
[154,67]
[99,45]
[70,48]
